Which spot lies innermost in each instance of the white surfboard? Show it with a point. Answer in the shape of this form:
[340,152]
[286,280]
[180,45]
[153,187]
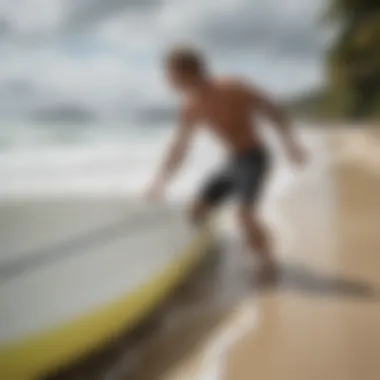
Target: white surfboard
[76,270]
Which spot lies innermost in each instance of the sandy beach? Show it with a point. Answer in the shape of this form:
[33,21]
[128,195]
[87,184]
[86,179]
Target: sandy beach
[321,320]
[334,334]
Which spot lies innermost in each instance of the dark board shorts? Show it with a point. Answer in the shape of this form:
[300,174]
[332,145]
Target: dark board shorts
[243,177]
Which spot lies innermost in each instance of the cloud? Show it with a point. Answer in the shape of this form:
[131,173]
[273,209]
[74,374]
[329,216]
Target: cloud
[287,27]
[86,13]
[105,54]
[67,113]
[18,96]
[290,40]
[159,113]
[5,28]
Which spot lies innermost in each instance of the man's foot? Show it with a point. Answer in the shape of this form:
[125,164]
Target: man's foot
[267,274]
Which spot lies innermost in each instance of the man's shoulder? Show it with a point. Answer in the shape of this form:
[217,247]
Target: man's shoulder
[231,83]
[188,105]
[188,110]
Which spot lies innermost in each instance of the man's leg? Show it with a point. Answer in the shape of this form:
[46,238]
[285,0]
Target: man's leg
[199,211]
[213,193]
[250,175]
[256,234]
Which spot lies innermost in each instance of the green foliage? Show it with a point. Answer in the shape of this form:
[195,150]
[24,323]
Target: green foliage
[353,62]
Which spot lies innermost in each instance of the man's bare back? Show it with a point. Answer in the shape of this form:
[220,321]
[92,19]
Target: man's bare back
[225,106]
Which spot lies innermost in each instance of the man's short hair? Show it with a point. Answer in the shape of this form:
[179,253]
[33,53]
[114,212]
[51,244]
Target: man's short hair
[186,60]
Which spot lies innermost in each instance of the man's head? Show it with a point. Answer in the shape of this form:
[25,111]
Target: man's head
[185,68]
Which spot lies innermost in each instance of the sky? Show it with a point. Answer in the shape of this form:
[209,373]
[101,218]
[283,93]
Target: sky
[104,56]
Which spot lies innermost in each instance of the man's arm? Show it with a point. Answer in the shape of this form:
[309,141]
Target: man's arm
[281,122]
[176,152]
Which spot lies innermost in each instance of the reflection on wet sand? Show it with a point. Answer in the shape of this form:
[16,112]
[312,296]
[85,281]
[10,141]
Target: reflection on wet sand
[300,279]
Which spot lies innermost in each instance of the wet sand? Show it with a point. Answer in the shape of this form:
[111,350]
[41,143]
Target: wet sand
[320,319]
[330,330]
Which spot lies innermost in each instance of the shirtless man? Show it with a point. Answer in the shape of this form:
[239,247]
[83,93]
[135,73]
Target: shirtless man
[227,107]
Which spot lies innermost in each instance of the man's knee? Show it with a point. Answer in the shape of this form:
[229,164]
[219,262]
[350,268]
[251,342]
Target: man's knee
[250,222]
[198,212]
[246,217]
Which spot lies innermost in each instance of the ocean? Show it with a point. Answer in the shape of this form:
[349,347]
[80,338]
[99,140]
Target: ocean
[109,159]
[97,159]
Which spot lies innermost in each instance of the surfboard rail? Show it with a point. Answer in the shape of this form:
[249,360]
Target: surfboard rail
[35,354]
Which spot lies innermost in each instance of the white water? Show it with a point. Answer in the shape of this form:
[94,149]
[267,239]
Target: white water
[118,162]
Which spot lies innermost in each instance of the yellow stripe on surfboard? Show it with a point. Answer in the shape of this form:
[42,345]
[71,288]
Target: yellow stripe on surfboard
[32,356]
